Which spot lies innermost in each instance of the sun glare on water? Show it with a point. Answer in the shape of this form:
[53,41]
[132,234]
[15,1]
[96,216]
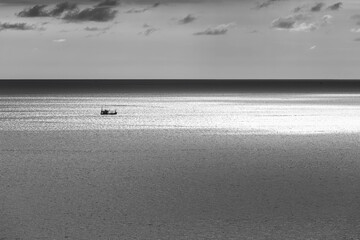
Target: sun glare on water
[237,114]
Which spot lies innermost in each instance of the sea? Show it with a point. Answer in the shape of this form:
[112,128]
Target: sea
[249,166]
[227,113]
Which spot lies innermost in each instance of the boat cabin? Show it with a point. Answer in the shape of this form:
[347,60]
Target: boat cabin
[107,112]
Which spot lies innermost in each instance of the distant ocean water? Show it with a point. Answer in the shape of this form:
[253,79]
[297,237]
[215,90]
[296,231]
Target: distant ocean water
[228,113]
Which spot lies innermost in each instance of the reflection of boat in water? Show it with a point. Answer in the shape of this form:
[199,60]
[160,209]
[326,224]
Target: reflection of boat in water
[107,112]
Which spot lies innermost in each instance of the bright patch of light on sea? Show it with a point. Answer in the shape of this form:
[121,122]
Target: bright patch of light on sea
[227,113]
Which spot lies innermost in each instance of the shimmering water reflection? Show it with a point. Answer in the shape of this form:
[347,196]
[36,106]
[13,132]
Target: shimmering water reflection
[230,113]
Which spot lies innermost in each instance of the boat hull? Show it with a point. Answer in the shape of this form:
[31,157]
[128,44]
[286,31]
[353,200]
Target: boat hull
[108,113]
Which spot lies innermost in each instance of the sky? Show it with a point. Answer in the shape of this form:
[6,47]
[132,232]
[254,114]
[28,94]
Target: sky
[227,39]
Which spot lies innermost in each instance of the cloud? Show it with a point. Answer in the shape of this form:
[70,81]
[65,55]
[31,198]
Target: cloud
[288,22]
[309,8]
[317,7]
[155,5]
[39,10]
[325,19]
[283,23]
[149,30]
[312,47]
[91,14]
[92,29]
[96,29]
[217,30]
[101,12]
[188,19]
[16,26]
[62,7]
[335,6]
[304,27]
[108,3]
[267,3]
[298,23]
[35,11]
[141,10]
[134,10]
[61,40]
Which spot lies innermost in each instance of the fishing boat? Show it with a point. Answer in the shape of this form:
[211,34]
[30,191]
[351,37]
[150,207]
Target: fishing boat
[107,112]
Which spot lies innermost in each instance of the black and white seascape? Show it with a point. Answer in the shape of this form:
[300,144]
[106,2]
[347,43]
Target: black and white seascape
[185,147]
[238,162]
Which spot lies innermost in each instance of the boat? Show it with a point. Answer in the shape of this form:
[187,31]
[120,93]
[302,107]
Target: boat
[107,112]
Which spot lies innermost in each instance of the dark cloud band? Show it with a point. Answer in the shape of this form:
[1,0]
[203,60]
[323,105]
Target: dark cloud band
[101,12]
[16,26]
[91,14]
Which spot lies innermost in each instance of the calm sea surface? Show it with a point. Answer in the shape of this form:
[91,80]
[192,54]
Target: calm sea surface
[200,178]
[231,113]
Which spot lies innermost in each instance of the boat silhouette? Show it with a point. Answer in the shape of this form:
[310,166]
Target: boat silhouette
[107,112]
